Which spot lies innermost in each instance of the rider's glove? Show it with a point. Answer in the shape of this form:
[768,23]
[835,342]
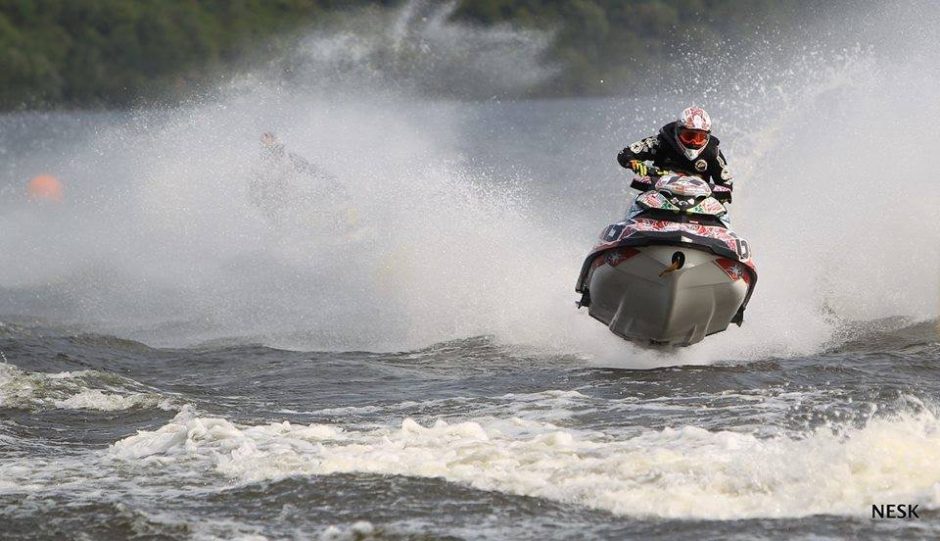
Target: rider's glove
[639,168]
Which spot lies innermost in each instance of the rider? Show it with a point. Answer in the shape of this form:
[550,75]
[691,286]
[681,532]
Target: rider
[685,145]
[290,190]
[282,181]
[277,156]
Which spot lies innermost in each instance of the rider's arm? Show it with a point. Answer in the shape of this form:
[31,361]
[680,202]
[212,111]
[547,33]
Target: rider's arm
[642,150]
[720,173]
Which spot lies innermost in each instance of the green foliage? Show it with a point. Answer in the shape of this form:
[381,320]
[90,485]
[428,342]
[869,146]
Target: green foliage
[79,53]
[114,52]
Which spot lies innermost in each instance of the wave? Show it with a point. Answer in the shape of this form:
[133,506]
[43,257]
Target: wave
[79,390]
[684,472]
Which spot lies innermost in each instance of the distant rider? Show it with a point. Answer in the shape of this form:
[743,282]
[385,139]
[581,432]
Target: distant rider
[288,189]
[685,146]
[282,180]
[276,156]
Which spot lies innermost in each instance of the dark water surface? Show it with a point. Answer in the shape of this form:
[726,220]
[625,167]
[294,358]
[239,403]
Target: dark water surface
[461,440]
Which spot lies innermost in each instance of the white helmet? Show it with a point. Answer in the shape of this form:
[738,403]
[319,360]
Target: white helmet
[693,130]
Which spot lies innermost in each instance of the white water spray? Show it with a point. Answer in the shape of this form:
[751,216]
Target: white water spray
[157,239]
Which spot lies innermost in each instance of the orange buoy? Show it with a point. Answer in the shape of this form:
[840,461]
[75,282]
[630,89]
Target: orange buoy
[45,188]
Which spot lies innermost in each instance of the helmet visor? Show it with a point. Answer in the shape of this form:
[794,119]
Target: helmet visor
[694,139]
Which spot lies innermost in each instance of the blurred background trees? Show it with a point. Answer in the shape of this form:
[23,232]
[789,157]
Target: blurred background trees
[116,53]
[602,44]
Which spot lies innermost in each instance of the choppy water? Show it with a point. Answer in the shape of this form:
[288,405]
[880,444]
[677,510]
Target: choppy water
[465,439]
[179,364]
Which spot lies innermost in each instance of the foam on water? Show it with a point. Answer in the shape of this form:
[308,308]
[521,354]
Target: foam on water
[85,389]
[681,472]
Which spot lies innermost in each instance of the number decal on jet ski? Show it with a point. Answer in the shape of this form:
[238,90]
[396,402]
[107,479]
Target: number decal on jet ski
[744,250]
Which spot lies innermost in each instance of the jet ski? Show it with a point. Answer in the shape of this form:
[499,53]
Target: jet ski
[672,272]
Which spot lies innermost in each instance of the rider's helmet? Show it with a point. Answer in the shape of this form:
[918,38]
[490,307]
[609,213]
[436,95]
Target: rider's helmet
[693,131]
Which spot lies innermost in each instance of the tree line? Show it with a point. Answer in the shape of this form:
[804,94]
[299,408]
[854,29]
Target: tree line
[115,53]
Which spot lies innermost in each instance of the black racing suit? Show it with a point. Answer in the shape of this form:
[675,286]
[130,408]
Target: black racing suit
[664,151]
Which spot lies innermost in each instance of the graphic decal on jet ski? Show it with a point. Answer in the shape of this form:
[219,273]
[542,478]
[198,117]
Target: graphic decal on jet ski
[734,270]
[616,257]
[718,191]
[709,206]
[654,200]
[684,186]
[641,225]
